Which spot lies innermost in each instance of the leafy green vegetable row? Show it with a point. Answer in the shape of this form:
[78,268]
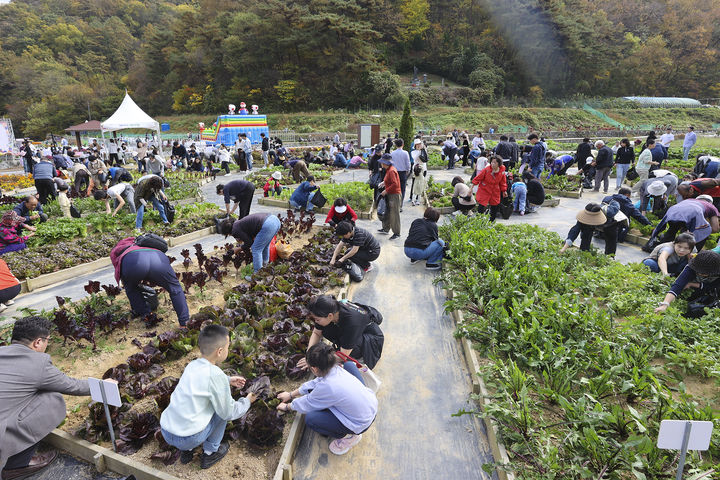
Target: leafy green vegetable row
[581,369]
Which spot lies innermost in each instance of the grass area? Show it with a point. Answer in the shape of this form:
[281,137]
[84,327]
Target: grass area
[447,118]
[678,118]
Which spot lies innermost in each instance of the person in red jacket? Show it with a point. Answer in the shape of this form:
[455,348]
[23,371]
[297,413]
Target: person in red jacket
[341,212]
[9,286]
[391,192]
[492,186]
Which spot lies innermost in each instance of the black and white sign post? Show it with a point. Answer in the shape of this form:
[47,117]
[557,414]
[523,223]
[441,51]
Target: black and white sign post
[684,435]
[108,393]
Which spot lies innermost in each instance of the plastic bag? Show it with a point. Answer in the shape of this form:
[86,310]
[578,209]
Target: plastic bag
[381,207]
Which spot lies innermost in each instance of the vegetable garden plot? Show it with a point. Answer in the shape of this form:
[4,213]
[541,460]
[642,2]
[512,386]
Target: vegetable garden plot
[581,369]
[270,333]
[258,178]
[359,195]
[64,242]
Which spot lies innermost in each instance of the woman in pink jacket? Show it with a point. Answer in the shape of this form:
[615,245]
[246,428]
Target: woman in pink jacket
[492,186]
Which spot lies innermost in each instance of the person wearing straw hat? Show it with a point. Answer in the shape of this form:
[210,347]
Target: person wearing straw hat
[696,215]
[628,209]
[704,272]
[589,218]
[669,179]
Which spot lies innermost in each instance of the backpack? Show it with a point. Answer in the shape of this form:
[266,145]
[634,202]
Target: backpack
[151,240]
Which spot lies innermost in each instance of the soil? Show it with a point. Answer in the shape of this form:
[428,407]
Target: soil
[78,360]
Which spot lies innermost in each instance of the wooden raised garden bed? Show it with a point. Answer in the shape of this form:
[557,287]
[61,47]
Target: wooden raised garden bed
[564,193]
[270,331]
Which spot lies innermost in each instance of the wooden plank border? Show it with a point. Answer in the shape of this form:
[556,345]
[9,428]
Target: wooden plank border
[478,387]
[103,458]
[274,202]
[284,470]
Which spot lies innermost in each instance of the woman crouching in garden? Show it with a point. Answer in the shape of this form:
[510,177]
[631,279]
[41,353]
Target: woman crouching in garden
[336,403]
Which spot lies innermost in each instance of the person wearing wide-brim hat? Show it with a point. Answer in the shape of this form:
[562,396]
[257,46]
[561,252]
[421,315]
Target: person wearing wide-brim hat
[704,270]
[670,180]
[587,219]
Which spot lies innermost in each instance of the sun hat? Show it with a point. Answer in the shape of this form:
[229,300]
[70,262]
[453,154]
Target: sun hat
[341,209]
[707,198]
[656,188]
[591,215]
[386,159]
[589,159]
[661,172]
[10,218]
[706,262]
[277,175]
[416,141]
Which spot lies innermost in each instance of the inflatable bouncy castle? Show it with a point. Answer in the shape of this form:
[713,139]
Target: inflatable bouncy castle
[226,128]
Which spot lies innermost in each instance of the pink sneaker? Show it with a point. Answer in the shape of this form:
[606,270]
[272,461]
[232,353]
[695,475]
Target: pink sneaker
[522,213]
[340,446]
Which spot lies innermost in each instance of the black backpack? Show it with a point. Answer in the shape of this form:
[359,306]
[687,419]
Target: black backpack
[151,240]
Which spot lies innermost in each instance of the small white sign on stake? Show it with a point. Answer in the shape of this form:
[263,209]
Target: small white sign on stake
[684,435]
[112,392]
[671,435]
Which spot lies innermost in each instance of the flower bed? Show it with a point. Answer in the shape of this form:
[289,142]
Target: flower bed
[270,333]
[581,369]
[15,181]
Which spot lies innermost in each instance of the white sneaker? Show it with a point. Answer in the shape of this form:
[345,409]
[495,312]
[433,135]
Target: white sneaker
[10,302]
[227,175]
[3,307]
[340,446]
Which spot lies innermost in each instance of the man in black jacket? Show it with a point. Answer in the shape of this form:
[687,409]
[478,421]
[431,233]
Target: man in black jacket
[628,208]
[603,165]
[504,150]
[584,150]
[265,148]
[240,192]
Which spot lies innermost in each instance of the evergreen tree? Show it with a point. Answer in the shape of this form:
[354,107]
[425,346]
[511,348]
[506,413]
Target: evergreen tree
[406,126]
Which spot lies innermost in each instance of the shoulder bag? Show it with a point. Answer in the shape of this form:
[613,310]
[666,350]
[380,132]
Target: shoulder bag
[369,378]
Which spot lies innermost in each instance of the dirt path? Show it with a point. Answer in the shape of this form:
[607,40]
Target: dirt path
[414,435]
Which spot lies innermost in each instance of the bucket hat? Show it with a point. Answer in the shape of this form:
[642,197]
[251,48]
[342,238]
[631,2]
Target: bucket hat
[591,215]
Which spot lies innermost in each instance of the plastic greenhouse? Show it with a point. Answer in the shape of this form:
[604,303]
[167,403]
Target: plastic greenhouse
[665,102]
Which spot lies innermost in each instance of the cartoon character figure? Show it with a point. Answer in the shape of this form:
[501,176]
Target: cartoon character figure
[243,110]
[201,126]
[254,109]
[231,109]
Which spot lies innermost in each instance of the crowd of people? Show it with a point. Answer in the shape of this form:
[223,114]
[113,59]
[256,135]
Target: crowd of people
[336,402]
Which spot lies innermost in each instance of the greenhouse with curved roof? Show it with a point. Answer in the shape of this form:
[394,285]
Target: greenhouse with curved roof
[664,102]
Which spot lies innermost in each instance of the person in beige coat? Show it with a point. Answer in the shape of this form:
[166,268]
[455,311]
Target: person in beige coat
[31,398]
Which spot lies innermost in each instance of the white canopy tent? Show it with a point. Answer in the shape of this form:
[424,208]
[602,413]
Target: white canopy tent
[128,116]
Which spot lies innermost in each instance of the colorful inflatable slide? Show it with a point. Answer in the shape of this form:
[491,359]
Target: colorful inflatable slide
[227,127]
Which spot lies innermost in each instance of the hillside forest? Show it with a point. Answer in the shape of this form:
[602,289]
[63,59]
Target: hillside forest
[60,59]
